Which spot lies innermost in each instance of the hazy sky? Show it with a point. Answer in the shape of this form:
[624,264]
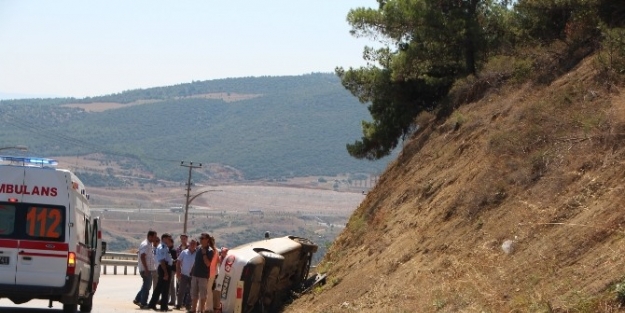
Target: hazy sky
[90,48]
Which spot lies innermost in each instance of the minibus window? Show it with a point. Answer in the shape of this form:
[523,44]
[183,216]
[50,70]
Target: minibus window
[7,219]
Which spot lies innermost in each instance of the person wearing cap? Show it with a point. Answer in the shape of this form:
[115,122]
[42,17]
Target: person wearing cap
[165,261]
[186,259]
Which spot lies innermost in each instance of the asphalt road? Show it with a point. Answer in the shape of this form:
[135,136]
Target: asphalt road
[115,294]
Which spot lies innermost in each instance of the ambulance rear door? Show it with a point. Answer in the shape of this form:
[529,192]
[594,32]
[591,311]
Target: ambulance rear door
[43,252]
[95,254]
[8,243]
[11,179]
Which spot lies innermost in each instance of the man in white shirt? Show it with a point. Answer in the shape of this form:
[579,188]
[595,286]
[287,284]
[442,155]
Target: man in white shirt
[146,254]
[185,262]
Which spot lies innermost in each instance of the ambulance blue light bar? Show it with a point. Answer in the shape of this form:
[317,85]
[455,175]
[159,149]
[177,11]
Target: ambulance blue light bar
[30,161]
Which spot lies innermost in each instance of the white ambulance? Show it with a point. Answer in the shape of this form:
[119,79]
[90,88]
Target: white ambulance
[50,245]
[260,276]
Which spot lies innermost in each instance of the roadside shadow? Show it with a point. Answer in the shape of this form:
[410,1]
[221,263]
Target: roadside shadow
[4,309]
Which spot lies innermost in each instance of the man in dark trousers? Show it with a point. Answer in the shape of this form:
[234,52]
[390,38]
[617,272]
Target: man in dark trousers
[165,261]
[172,286]
[183,246]
[199,274]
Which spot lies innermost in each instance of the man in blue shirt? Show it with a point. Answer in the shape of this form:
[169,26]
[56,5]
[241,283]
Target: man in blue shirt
[165,261]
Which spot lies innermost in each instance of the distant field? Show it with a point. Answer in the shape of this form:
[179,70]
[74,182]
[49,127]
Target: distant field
[225,96]
[235,212]
[103,106]
[279,199]
[234,198]
[318,214]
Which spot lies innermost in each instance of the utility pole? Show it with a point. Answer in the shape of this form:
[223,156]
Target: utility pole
[186,204]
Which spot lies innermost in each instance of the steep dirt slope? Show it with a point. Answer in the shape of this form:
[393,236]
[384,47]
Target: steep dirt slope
[542,166]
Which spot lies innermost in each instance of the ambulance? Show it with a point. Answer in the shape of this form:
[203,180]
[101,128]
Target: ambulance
[50,245]
[259,276]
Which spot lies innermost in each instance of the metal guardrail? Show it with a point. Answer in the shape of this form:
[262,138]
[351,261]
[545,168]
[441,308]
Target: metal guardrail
[121,259]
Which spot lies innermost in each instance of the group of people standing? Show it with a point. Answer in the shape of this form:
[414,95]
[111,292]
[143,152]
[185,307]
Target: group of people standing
[183,277]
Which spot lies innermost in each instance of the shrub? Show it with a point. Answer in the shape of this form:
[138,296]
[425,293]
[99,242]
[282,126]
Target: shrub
[518,68]
[611,56]
[619,289]
[357,225]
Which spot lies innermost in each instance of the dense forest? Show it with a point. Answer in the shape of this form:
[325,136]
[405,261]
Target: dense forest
[293,126]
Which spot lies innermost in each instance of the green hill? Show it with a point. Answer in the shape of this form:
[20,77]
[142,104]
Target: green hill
[266,127]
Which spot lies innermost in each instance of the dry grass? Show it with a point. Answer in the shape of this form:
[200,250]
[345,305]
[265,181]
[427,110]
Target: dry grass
[542,166]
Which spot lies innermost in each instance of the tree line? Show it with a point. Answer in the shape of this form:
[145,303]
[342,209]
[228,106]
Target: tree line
[428,46]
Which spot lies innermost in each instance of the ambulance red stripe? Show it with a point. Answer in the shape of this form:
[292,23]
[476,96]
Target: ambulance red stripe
[43,245]
[43,254]
[8,243]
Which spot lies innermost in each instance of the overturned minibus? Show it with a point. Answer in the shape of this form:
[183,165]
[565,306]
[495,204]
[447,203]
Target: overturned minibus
[259,276]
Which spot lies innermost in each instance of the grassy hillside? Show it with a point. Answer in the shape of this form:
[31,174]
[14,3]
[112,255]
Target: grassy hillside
[535,166]
[285,126]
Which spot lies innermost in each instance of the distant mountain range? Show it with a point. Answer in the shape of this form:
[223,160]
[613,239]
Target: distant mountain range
[12,95]
[264,127]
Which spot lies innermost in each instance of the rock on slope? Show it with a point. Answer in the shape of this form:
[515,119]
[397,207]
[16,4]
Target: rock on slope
[540,165]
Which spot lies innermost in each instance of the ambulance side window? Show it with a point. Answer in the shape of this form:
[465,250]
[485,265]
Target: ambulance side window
[80,228]
[7,219]
[87,232]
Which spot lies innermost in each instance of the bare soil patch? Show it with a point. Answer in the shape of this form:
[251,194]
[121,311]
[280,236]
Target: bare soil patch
[226,96]
[103,106]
